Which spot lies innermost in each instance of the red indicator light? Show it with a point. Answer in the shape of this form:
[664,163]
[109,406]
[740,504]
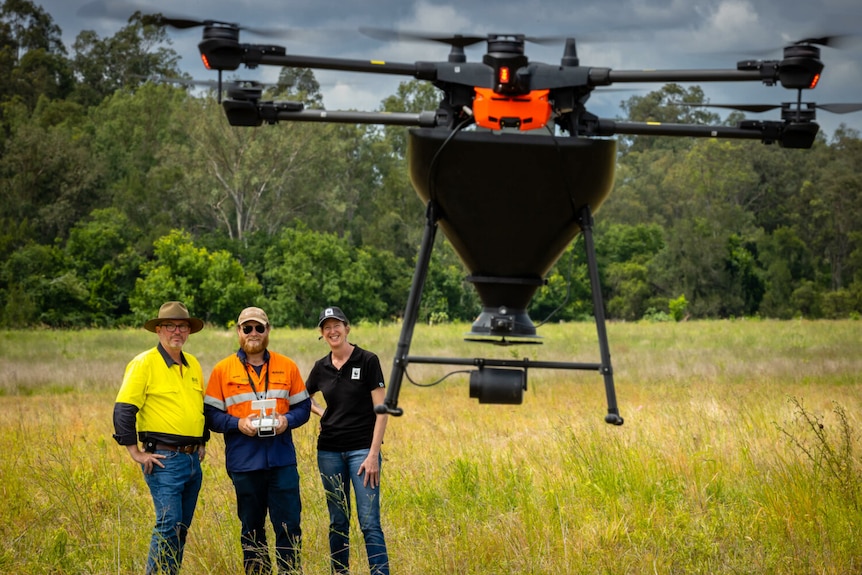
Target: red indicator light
[814,81]
[504,75]
[206,62]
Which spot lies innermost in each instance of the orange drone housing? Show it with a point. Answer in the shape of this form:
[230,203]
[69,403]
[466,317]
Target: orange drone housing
[525,112]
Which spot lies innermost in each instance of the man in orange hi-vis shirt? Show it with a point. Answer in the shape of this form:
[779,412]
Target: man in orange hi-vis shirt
[255,397]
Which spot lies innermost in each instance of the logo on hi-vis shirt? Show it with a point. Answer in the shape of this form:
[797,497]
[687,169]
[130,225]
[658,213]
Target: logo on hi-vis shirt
[356,373]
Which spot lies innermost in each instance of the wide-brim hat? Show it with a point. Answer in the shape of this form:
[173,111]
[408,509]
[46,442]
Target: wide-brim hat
[175,310]
[332,313]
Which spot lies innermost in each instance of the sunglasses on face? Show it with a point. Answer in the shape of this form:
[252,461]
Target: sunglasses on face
[246,329]
[172,327]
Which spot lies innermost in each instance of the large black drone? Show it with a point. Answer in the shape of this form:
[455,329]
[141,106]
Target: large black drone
[515,189]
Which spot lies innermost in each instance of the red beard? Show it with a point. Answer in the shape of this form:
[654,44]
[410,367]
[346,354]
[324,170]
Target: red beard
[253,347]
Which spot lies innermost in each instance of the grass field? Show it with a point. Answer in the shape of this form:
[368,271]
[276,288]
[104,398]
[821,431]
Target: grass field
[740,454]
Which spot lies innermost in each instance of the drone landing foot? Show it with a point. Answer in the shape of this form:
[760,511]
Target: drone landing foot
[585,220]
[411,314]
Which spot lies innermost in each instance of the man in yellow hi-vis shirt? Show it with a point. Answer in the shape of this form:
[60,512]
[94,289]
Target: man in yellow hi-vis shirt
[160,405]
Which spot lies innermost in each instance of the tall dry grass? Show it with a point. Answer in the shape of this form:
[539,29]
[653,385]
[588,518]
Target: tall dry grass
[740,454]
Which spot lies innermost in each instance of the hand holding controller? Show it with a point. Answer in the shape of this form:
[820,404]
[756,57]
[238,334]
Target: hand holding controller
[267,420]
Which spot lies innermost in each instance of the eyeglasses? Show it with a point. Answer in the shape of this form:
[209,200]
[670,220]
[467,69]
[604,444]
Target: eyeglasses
[172,327]
[246,329]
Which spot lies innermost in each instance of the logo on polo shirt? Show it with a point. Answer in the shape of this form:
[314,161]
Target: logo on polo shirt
[356,373]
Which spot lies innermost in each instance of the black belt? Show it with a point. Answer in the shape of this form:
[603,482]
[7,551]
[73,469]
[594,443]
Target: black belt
[193,448]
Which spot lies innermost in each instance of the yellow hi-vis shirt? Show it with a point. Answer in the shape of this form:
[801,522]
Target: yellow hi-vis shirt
[168,401]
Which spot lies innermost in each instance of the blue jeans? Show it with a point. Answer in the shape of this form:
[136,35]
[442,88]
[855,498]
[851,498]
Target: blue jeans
[174,489]
[338,470]
[275,490]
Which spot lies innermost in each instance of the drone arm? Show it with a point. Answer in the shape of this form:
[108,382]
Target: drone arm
[788,135]
[422,119]
[607,127]
[604,76]
[799,70]
[346,65]
[225,53]
[255,113]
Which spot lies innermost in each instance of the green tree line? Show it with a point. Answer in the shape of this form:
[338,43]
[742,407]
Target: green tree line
[120,192]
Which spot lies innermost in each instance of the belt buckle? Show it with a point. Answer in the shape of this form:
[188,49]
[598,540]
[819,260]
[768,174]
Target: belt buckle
[187,449]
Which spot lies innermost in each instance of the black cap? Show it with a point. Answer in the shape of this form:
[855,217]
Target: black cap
[333,313]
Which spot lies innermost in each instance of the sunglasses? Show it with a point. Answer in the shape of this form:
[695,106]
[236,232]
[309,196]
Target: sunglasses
[246,329]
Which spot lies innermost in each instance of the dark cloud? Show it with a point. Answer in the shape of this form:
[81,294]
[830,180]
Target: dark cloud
[619,34]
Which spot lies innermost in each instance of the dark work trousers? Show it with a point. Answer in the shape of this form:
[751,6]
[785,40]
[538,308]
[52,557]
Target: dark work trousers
[274,490]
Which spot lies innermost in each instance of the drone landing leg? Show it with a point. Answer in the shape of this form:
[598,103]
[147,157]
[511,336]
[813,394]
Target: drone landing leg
[585,220]
[411,314]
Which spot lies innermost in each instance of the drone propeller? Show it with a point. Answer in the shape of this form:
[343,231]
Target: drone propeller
[759,108]
[835,41]
[121,10]
[179,23]
[240,89]
[832,41]
[207,83]
[457,40]
[182,23]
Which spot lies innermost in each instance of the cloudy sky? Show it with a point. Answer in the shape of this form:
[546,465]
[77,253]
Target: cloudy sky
[617,34]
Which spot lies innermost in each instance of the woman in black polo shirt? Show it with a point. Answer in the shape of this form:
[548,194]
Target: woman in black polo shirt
[351,433]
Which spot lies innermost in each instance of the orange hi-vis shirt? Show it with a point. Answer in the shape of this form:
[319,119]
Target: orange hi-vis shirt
[233,385]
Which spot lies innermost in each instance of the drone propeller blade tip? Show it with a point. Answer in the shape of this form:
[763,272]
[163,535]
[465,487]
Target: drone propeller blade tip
[387,35]
[840,108]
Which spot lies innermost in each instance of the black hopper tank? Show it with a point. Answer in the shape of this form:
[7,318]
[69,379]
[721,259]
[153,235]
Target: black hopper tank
[509,205]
